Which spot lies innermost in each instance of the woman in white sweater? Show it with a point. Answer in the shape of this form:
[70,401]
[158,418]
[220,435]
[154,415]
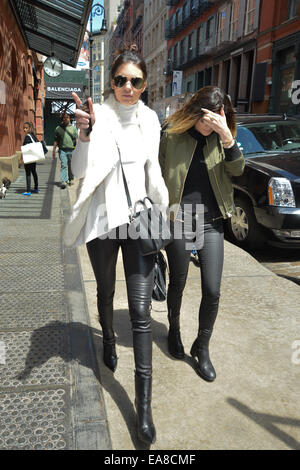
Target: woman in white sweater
[100,215]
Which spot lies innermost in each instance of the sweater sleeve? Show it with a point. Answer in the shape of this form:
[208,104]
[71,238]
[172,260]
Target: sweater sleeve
[234,161]
[79,162]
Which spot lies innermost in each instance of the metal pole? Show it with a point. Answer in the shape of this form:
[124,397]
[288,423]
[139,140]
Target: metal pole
[91,55]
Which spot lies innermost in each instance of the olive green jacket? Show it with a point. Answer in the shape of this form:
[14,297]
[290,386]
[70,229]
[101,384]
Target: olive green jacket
[175,156]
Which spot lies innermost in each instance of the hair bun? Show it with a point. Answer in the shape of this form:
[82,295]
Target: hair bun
[127,48]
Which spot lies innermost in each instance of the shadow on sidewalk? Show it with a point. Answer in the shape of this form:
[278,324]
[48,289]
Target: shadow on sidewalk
[268,422]
[71,342]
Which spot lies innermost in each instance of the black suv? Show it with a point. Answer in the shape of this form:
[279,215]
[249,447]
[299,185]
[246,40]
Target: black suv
[267,194]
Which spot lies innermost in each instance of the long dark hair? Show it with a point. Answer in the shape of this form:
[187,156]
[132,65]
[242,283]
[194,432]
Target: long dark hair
[31,127]
[129,53]
[209,97]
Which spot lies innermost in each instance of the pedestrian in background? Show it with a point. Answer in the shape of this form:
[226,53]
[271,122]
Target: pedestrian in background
[65,139]
[198,156]
[30,168]
[124,129]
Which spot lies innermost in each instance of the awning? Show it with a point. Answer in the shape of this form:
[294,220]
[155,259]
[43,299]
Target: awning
[53,26]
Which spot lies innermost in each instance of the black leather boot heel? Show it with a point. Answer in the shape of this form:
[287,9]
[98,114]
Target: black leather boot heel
[109,354]
[145,427]
[200,353]
[175,345]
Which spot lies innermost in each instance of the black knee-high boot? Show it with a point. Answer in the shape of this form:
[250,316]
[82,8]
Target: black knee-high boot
[175,345]
[200,352]
[109,341]
[143,394]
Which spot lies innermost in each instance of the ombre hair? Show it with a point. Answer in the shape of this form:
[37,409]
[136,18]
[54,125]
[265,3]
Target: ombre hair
[209,97]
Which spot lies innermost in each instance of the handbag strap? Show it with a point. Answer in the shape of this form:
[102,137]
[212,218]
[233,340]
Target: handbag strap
[129,202]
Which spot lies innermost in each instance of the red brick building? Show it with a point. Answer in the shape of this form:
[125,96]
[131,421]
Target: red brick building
[250,48]
[129,28]
[278,52]
[21,90]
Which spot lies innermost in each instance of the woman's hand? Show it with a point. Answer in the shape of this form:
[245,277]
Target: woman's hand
[218,123]
[83,118]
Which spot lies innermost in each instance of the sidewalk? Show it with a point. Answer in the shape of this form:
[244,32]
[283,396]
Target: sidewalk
[53,395]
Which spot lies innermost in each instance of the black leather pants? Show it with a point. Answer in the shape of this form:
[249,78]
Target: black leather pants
[139,276]
[211,256]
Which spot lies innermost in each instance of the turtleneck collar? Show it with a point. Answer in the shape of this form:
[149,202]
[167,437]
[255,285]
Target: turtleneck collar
[196,134]
[126,114]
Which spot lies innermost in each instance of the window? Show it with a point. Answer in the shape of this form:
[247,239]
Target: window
[200,38]
[221,25]
[250,14]
[190,46]
[293,8]
[209,31]
[234,16]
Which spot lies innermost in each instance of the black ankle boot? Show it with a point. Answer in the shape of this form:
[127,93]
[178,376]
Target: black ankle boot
[109,353]
[145,427]
[200,353]
[175,345]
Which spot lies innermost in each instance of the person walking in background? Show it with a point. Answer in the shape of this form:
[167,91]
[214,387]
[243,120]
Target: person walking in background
[124,130]
[65,139]
[30,168]
[198,156]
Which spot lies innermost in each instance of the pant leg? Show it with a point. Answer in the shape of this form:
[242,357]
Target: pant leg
[64,166]
[178,260]
[103,256]
[70,174]
[211,258]
[139,272]
[35,176]
[27,167]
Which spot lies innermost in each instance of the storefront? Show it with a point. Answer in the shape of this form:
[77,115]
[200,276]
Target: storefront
[286,70]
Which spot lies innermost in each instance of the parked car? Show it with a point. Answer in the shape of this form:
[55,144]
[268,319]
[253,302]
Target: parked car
[267,194]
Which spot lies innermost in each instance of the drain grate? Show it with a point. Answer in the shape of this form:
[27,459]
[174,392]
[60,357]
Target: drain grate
[36,358]
[34,420]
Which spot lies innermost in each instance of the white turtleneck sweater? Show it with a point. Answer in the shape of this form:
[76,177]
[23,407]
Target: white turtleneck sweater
[140,166]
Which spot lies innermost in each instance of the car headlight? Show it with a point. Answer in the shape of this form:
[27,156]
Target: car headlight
[281,193]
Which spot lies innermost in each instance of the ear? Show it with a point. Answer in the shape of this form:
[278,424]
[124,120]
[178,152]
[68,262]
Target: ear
[144,88]
[222,112]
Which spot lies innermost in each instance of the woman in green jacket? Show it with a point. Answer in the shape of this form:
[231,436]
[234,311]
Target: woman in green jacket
[198,156]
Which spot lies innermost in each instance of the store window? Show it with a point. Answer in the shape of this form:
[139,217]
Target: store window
[287,73]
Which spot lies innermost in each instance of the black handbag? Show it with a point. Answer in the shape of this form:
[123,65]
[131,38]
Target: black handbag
[45,149]
[159,292]
[147,226]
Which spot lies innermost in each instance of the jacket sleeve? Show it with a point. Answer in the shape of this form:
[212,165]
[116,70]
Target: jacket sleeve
[79,162]
[155,185]
[234,161]
[162,152]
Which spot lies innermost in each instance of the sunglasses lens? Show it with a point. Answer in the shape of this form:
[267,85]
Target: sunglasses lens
[137,82]
[120,81]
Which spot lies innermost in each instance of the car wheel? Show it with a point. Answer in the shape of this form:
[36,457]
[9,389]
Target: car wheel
[243,228]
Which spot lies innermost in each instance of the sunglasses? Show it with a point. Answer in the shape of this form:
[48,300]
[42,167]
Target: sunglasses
[136,82]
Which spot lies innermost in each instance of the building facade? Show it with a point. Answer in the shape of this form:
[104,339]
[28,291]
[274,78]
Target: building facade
[21,91]
[112,10]
[249,48]
[155,47]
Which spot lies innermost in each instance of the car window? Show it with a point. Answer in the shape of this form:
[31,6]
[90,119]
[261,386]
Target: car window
[269,136]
